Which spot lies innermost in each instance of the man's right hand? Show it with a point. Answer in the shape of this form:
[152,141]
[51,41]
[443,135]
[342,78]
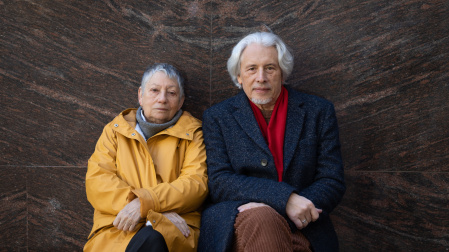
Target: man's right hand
[301,211]
[251,205]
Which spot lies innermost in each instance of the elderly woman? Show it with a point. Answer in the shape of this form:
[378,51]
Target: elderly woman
[147,177]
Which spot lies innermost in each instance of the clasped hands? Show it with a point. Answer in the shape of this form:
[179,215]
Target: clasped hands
[299,209]
[128,218]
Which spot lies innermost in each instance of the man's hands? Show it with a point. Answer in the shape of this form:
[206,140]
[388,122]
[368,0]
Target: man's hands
[179,222]
[128,218]
[301,211]
[250,205]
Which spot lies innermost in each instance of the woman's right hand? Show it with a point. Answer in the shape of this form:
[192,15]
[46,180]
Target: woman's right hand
[179,222]
[128,218]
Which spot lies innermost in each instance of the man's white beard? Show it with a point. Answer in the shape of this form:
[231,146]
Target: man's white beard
[261,101]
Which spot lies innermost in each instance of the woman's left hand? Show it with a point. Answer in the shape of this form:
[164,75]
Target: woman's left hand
[128,218]
[179,222]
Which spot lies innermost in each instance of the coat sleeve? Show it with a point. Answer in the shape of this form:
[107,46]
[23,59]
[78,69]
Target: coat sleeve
[187,192]
[225,183]
[328,187]
[105,190]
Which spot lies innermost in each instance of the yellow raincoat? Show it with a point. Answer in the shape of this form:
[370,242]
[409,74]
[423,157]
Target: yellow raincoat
[167,173]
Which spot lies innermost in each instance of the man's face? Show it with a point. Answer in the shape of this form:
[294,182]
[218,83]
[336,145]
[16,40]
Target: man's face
[161,98]
[260,75]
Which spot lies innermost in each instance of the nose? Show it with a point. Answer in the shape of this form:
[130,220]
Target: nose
[162,97]
[261,76]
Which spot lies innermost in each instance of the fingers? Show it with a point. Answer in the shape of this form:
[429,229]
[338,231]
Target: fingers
[249,206]
[301,211]
[130,225]
[116,221]
[128,217]
[182,225]
[298,223]
[309,216]
[315,213]
[125,223]
[179,222]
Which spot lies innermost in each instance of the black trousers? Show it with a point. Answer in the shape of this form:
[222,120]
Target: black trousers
[148,240]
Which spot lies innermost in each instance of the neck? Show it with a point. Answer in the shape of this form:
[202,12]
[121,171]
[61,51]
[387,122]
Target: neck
[266,107]
[150,129]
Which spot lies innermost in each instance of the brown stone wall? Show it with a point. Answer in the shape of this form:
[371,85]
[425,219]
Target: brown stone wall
[68,67]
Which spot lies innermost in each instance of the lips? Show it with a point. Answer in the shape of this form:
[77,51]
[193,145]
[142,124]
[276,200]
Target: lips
[261,90]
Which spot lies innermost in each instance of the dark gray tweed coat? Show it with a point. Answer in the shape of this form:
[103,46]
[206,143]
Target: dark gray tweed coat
[241,168]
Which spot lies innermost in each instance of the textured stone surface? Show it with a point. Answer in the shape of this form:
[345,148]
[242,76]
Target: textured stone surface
[68,67]
[13,208]
[394,211]
[59,215]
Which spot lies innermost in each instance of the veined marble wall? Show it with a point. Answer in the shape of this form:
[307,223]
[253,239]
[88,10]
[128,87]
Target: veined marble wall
[68,67]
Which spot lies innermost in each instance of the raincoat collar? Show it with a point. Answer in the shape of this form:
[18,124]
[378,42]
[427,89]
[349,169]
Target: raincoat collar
[184,128]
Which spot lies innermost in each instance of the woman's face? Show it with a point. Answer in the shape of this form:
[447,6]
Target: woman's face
[161,98]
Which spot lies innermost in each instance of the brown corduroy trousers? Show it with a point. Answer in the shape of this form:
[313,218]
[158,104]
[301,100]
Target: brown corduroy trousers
[263,229]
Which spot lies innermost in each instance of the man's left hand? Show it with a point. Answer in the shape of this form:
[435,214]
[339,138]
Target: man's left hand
[301,211]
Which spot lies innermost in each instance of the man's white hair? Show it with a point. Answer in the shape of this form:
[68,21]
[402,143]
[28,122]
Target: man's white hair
[267,39]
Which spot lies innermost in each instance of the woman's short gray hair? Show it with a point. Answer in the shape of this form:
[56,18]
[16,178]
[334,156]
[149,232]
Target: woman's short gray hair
[169,70]
[267,39]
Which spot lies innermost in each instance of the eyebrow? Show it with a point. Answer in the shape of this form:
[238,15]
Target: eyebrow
[156,84]
[176,86]
[269,64]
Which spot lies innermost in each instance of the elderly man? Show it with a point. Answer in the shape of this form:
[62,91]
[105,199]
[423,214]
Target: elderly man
[273,156]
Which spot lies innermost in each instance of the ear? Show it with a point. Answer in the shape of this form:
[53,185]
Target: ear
[139,96]
[239,79]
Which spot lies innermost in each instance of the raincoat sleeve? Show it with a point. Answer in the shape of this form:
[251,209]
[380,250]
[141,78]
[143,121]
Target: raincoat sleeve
[187,192]
[105,190]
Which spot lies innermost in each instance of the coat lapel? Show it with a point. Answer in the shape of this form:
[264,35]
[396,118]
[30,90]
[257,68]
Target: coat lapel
[293,127]
[245,118]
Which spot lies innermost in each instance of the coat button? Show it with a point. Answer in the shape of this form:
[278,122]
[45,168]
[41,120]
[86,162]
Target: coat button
[264,162]
[133,134]
[116,125]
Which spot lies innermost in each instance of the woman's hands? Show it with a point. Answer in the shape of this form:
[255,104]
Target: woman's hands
[128,218]
[301,211]
[179,222]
